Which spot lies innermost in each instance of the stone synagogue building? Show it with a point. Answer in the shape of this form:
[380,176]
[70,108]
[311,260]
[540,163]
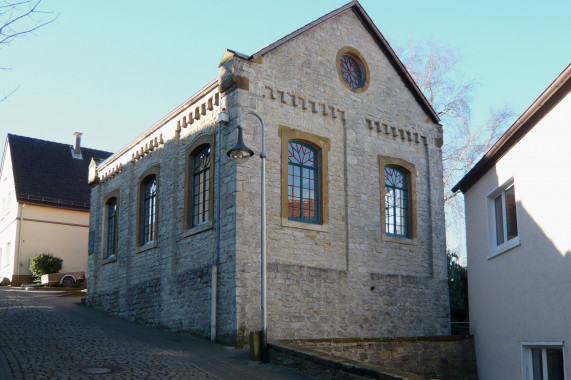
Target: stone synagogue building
[355,212]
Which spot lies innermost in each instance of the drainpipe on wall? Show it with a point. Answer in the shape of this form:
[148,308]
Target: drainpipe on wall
[215,259]
[20,239]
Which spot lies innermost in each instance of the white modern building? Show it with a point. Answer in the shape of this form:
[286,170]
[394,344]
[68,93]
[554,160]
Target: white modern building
[518,225]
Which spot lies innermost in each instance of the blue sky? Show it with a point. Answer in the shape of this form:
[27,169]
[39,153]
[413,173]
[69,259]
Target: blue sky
[110,69]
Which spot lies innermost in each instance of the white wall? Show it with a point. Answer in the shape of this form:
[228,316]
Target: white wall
[44,229]
[64,233]
[524,294]
[8,216]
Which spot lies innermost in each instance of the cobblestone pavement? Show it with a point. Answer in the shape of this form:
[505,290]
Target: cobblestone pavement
[46,336]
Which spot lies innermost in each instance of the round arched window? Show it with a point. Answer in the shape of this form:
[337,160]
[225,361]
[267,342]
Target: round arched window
[353,70]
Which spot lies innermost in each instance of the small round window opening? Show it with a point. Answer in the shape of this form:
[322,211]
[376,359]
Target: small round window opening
[352,69]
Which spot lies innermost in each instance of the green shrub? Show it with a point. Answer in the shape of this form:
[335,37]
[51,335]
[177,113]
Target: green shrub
[44,263]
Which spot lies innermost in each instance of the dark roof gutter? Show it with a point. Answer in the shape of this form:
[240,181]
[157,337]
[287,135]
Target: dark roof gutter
[556,91]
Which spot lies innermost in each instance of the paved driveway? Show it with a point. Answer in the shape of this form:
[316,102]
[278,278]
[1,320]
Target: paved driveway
[46,336]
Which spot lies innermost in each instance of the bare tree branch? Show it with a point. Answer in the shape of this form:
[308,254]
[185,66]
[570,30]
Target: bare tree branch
[436,69]
[6,96]
[18,19]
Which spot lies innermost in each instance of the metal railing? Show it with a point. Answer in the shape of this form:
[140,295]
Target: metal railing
[460,328]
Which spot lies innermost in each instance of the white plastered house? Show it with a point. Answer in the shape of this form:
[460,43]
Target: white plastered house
[518,229]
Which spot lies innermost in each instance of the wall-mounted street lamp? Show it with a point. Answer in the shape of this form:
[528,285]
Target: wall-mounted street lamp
[241,153]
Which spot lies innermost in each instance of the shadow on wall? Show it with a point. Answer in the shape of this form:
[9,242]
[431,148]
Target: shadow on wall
[521,294]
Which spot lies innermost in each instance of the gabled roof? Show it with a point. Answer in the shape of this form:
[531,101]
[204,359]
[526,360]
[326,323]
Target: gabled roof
[353,6]
[377,36]
[46,173]
[556,91]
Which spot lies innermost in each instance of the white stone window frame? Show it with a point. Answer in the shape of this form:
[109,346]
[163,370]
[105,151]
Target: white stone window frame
[527,358]
[494,249]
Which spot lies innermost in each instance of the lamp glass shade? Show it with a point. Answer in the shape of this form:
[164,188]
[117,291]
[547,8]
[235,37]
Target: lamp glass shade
[240,153]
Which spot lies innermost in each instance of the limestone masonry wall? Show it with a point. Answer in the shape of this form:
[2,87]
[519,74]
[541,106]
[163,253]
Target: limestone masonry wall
[341,277]
[167,282]
[445,358]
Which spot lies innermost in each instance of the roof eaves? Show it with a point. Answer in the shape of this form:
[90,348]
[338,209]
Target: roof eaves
[554,93]
[176,111]
[4,155]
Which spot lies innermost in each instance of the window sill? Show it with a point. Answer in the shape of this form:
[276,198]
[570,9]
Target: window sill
[109,260]
[496,251]
[147,246]
[305,226]
[398,239]
[197,229]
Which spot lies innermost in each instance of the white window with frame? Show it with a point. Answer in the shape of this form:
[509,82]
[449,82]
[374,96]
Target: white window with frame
[543,361]
[8,203]
[6,255]
[502,219]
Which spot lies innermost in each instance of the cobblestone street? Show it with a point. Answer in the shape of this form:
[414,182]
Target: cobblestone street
[46,336]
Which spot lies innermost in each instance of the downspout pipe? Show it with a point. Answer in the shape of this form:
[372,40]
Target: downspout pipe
[216,258]
[17,263]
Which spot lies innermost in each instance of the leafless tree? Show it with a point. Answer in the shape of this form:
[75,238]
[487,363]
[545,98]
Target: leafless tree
[20,18]
[437,71]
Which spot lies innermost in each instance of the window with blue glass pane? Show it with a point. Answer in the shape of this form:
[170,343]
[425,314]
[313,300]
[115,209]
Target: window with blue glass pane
[303,182]
[201,185]
[396,202]
[111,246]
[149,224]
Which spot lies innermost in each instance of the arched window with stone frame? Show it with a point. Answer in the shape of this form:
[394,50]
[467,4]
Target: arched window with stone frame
[201,174]
[111,227]
[398,200]
[147,228]
[397,205]
[199,188]
[303,182]
[304,179]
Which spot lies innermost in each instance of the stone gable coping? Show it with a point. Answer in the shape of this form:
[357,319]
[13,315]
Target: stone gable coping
[286,97]
[395,133]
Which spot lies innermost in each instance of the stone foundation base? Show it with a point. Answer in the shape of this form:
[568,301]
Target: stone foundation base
[18,280]
[441,357]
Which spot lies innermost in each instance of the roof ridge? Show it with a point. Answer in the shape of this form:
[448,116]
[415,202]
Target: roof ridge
[304,28]
[382,42]
[53,142]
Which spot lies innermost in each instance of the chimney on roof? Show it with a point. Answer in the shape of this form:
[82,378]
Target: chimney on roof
[76,149]
[77,146]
